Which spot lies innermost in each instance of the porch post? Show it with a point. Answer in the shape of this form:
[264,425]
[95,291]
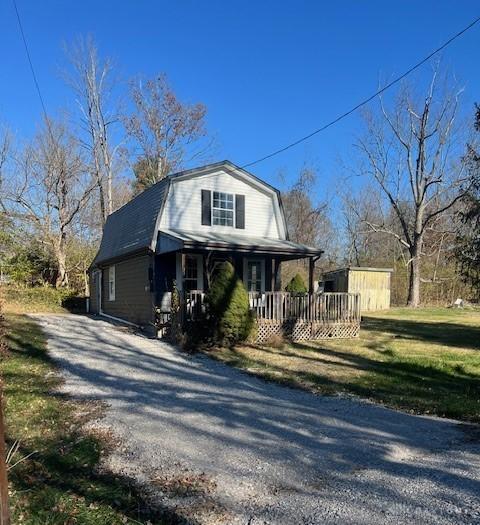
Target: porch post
[311,266]
[273,274]
[278,277]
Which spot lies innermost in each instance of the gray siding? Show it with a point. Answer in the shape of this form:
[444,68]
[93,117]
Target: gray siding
[133,298]
[93,285]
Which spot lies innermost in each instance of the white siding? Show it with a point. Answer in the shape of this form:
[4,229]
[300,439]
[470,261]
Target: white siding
[183,206]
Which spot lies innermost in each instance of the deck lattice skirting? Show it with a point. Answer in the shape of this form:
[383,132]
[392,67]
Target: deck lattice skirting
[304,330]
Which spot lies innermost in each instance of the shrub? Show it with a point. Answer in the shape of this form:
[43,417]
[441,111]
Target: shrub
[227,300]
[74,303]
[37,298]
[296,285]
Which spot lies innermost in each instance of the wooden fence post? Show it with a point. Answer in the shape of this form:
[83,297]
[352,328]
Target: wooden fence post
[4,512]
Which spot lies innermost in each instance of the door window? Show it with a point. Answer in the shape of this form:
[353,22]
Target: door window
[190,280]
[254,276]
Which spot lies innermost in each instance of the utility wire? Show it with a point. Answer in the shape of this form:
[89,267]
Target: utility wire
[30,61]
[367,100]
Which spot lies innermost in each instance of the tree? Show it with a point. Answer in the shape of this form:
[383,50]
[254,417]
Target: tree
[146,174]
[308,222]
[296,285]
[49,187]
[91,81]
[168,133]
[411,152]
[228,305]
[467,250]
[5,145]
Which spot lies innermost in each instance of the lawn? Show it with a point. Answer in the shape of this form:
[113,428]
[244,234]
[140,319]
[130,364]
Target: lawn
[424,361]
[38,299]
[60,482]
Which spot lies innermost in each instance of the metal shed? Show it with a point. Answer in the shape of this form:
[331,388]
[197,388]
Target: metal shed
[373,285]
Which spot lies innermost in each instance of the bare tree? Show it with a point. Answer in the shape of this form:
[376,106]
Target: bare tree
[48,188]
[307,220]
[91,81]
[168,133]
[5,146]
[412,152]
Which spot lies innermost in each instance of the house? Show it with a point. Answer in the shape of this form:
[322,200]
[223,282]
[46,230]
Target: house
[179,229]
[373,285]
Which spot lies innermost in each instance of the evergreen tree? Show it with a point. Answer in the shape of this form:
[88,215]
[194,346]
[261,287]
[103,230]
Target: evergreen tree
[229,310]
[468,239]
[296,285]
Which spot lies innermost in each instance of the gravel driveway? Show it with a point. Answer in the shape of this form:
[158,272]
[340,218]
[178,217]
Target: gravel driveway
[231,448]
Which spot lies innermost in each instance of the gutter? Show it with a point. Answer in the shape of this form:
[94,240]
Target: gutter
[251,248]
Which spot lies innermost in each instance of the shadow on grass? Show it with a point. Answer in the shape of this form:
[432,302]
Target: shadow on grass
[62,480]
[449,334]
[426,387]
[399,384]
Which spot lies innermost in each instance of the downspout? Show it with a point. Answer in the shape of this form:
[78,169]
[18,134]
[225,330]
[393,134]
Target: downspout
[100,280]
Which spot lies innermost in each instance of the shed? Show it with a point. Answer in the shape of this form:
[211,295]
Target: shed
[373,285]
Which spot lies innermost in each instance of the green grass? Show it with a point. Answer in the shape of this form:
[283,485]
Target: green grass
[60,483]
[425,361]
[38,299]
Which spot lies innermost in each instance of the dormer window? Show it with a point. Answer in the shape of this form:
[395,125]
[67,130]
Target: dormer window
[222,209]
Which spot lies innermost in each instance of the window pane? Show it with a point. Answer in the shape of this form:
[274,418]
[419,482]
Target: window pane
[190,268]
[254,276]
[222,211]
[190,281]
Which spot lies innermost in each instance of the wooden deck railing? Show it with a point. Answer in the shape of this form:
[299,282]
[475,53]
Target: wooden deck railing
[194,304]
[324,308]
[284,306]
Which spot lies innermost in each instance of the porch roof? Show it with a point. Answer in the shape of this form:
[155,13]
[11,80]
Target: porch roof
[174,240]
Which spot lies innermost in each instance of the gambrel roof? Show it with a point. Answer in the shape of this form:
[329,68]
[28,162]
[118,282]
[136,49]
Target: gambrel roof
[134,227]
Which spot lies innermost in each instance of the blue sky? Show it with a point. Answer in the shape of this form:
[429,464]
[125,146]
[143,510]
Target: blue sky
[269,71]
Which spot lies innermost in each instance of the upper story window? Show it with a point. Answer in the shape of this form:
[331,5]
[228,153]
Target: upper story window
[222,209]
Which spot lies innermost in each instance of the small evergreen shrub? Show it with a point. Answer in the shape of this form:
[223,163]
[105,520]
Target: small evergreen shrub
[296,285]
[227,299]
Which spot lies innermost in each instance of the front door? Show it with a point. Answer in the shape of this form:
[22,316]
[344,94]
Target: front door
[254,274]
[189,272]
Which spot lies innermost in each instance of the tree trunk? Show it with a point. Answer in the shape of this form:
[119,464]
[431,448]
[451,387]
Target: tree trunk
[101,196]
[61,256]
[4,512]
[413,299]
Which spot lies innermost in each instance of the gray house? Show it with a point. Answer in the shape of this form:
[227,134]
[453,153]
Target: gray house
[179,229]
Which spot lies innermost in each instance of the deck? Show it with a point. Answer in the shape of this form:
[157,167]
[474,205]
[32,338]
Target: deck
[298,317]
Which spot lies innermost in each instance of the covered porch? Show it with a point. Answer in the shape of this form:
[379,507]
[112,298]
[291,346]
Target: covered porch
[190,259]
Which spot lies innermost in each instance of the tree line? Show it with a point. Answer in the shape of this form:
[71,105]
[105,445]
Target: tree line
[408,197]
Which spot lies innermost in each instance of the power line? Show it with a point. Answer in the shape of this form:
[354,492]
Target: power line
[30,62]
[367,100]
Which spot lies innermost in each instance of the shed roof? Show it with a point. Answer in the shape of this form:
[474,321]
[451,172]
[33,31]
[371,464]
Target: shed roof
[358,269]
